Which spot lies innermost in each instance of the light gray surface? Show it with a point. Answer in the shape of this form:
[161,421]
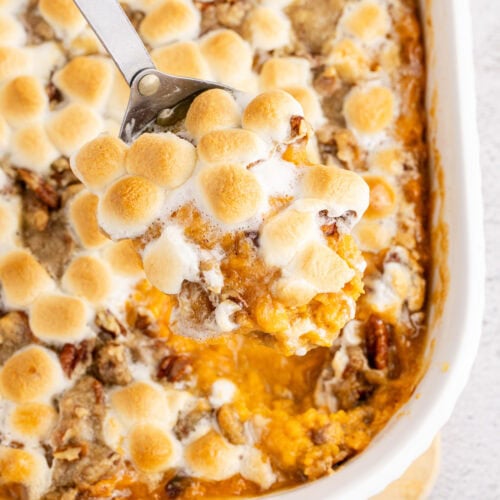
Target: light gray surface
[471,440]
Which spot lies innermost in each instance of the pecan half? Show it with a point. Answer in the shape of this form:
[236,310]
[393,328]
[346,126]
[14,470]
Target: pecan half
[230,424]
[377,343]
[71,355]
[174,368]
[40,187]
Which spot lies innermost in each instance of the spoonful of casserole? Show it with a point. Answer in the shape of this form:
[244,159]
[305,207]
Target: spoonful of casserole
[224,197]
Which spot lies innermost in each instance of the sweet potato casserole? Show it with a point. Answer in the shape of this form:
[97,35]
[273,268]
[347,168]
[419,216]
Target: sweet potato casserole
[229,307]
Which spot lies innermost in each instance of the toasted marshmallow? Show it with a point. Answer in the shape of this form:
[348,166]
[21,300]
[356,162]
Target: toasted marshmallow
[86,79]
[228,55]
[280,72]
[100,162]
[370,109]
[124,259]
[375,235]
[212,110]
[211,457]
[4,134]
[139,402]
[118,97]
[269,115]
[267,28]
[349,60]
[232,194]
[152,449]
[129,206]
[284,234]
[63,15]
[31,374]
[83,219]
[321,267]
[22,278]
[165,159]
[85,43]
[23,99]
[73,126]
[46,57]
[182,59]
[383,197]
[309,101]
[88,277]
[32,148]
[11,31]
[58,318]
[170,260]
[28,468]
[255,468]
[367,20]
[231,147]
[33,420]
[14,62]
[171,21]
[293,292]
[341,189]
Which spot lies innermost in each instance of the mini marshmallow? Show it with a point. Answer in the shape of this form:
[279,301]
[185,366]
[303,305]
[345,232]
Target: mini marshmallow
[100,162]
[70,128]
[58,318]
[165,159]
[129,206]
[214,109]
[231,193]
[269,115]
[182,59]
[172,20]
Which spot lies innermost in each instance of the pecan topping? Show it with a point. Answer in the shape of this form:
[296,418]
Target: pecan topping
[71,355]
[42,189]
[174,368]
[230,424]
[377,343]
[176,486]
[107,322]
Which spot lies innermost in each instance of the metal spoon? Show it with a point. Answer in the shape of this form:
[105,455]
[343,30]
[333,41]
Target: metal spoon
[153,94]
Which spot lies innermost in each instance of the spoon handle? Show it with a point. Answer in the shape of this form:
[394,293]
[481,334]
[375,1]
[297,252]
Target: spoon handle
[116,33]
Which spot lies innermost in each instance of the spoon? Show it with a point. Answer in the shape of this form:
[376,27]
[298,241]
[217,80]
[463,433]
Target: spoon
[154,96]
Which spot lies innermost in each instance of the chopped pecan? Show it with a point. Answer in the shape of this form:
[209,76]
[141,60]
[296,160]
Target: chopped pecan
[253,236]
[108,322]
[187,422]
[174,368]
[111,364]
[53,93]
[230,424]
[145,322]
[298,126]
[319,436]
[15,333]
[42,189]
[14,491]
[377,343]
[69,454]
[71,355]
[176,486]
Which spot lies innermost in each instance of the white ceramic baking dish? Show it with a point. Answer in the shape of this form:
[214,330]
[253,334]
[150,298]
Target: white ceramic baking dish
[454,330]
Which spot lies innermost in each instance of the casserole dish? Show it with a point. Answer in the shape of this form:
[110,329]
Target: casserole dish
[123,403]
[457,293]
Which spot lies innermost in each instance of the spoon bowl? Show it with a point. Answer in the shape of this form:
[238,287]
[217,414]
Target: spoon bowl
[155,97]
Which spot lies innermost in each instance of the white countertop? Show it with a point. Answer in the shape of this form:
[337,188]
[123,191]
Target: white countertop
[471,440]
